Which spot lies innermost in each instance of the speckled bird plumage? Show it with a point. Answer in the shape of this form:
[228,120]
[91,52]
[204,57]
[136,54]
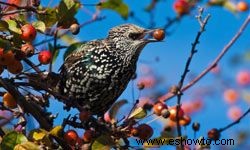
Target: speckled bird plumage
[97,73]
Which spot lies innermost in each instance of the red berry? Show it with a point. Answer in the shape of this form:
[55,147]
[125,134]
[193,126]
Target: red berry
[230,96]
[84,115]
[165,113]
[134,132]
[6,58]
[242,6]
[9,101]
[145,131]
[107,117]
[234,113]
[173,113]
[159,34]
[74,28]
[28,50]
[45,57]
[181,7]
[243,78]
[15,68]
[71,137]
[158,107]
[28,33]
[214,134]
[196,126]
[88,135]
[185,120]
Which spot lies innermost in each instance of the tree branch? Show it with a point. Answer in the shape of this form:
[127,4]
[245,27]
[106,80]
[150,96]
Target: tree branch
[186,70]
[169,95]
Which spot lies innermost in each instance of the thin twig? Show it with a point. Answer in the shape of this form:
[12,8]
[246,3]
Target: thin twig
[67,31]
[235,122]
[186,70]
[24,104]
[28,8]
[169,95]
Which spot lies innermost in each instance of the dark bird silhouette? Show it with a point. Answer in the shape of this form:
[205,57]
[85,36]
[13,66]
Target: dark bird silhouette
[97,72]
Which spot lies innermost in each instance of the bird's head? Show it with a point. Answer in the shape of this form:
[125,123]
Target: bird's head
[131,36]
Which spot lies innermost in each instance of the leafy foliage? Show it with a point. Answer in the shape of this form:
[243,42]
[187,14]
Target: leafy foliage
[116,5]
[11,139]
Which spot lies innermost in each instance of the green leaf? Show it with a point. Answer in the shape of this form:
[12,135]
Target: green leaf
[39,25]
[71,48]
[56,131]
[49,18]
[216,2]
[27,146]
[37,134]
[69,39]
[11,139]
[68,3]
[116,5]
[138,113]
[13,27]
[152,5]
[66,12]
[103,142]
[230,6]
[115,108]
[54,51]
[5,44]
[3,25]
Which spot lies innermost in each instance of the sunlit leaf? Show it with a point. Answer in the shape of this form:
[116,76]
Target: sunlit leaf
[116,5]
[216,2]
[103,142]
[50,17]
[37,134]
[71,48]
[56,131]
[27,146]
[11,139]
[138,113]
[39,25]
[13,26]
[229,5]
[69,39]
[115,108]
[54,51]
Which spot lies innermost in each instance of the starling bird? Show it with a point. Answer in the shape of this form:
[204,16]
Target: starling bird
[97,72]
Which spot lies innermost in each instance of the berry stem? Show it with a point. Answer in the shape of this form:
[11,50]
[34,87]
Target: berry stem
[235,122]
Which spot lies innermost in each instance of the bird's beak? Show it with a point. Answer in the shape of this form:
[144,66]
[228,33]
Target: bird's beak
[148,36]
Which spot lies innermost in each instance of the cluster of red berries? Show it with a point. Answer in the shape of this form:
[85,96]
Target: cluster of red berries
[11,59]
[72,138]
[161,109]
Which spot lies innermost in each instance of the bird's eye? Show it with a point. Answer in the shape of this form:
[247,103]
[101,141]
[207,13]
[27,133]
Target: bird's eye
[135,36]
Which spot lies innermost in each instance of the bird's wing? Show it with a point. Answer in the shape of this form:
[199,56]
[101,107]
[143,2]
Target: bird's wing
[76,52]
[81,54]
